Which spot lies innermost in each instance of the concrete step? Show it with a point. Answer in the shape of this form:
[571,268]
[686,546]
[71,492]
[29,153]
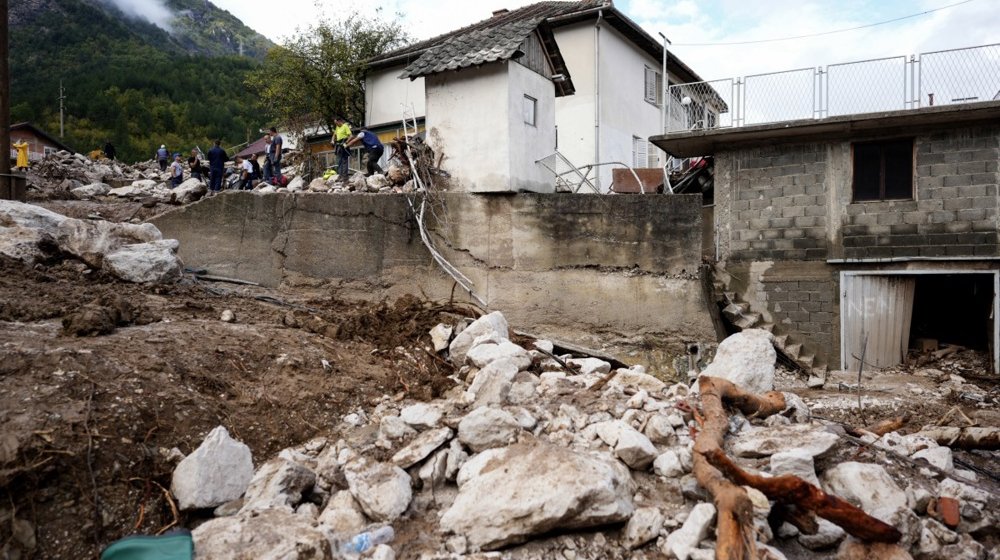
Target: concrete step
[781,340]
[793,351]
[806,361]
[765,326]
[747,321]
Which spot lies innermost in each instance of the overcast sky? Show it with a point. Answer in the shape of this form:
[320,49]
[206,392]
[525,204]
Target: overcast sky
[701,21]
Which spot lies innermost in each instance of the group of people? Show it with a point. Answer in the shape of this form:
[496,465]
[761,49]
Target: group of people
[248,169]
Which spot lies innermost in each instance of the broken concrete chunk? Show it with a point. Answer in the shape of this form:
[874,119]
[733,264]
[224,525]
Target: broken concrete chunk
[491,323]
[746,359]
[865,485]
[421,447]
[264,535]
[488,427]
[382,490]
[681,542]
[534,488]
[762,442]
[644,526]
[278,483]
[217,472]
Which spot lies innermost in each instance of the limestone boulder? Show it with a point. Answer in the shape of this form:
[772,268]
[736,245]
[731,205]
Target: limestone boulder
[92,190]
[681,542]
[13,213]
[422,415]
[534,488]
[797,462]
[764,442]
[865,485]
[382,490]
[262,535]
[492,323]
[145,263]
[421,447]
[493,383]
[90,240]
[297,184]
[278,483]
[28,245]
[218,471]
[484,354]
[343,514]
[746,359]
[189,191]
[644,526]
[488,427]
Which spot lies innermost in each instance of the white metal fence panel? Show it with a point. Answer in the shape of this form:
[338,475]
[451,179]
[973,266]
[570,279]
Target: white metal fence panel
[960,75]
[779,96]
[867,86]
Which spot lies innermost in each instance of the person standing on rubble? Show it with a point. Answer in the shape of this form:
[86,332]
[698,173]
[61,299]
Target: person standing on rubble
[341,134]
[22,155]
[246,173]
[373,146]
[277,143]
[162,156]
[268,168]
[176,171]
[216,166]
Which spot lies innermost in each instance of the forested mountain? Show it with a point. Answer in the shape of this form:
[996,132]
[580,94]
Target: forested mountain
[140,84]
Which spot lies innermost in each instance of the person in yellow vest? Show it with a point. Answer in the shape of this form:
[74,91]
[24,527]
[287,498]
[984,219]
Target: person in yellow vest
[22,155]
[341,134]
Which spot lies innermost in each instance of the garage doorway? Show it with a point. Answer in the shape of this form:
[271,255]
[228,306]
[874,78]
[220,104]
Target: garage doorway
[884,313]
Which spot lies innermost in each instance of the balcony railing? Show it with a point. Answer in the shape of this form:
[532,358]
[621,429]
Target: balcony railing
[868,86]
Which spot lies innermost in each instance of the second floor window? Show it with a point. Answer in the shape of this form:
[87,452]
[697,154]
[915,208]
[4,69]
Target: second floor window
[653,86]
[883,170]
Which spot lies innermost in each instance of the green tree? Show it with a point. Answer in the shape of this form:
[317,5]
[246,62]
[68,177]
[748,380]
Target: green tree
[319,74]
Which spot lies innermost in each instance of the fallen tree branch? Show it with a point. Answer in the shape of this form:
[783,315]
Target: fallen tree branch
[882,427]
[792,489]
[734,526]
[963,438]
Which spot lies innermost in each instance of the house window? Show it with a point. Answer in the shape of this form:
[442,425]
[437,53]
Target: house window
[49,150]
[883,170]
[530,108]
[640,152]
[653,85]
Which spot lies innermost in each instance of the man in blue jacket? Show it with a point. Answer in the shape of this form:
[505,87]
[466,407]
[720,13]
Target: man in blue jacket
[373,147]
[216,166]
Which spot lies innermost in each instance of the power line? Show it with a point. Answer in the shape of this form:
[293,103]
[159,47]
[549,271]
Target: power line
[823,33]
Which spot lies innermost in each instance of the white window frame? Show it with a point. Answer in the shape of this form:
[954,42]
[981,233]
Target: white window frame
[529,110]
[652,86]
[640,152]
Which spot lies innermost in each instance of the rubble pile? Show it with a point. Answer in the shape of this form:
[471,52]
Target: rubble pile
[396,179]
[65,171]
[131,252]
[565,457]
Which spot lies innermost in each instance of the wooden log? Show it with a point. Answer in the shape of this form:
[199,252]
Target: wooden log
[963,438]
[734,526]
[793,490]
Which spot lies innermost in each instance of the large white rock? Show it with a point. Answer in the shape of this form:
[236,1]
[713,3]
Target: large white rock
[382,490]
[939,457]
[635,449]
[90,240]
[217,472]
[681,542]
[660,430]
[13,213]
[493,323]
[482,355]
[643,527]
[668,464]
[492,384]
[422,415]
[261,535]
[393,428]
[278,483]
[189,191]
[28,245]
[343,515]
[588,366]
[155,262]
[296,184]
[534,488]
[797,462]
[488,427]
[637,379]
[865,485]
[747,359]
[421,447]
[763,442]
[92,190]
[441,336]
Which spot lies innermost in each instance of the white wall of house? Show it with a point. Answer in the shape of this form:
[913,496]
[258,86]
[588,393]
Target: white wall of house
[475,119]
[386,95]
[575,116]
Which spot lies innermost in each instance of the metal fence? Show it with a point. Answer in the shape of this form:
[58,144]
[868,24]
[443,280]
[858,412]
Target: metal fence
[883,84]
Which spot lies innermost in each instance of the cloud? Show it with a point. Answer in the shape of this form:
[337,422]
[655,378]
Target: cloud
[153,11]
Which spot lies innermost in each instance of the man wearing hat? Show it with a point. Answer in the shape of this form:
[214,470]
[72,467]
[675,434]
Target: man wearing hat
[162,156]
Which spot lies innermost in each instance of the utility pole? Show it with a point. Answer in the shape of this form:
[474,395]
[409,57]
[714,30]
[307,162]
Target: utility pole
[62,111]
[6,183]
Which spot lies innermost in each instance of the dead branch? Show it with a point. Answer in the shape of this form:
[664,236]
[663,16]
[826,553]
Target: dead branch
[734,526]
[792,489]
[882,427]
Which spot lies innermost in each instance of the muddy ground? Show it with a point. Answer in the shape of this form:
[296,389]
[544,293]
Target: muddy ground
[88,422]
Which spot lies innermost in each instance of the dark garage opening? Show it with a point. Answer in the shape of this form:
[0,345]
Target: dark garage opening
[954,309]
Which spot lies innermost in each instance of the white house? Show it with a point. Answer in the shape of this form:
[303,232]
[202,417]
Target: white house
[615,67]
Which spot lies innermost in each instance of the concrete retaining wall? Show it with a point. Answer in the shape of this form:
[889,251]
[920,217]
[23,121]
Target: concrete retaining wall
[613,271]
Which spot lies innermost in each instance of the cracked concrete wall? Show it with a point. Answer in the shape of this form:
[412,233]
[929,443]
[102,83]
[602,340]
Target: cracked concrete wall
[588,268]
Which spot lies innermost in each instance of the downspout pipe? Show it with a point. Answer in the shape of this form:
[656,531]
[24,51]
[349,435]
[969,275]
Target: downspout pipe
[597,94]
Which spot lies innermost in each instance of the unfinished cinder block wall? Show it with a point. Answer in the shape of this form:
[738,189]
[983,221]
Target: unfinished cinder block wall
[787,224]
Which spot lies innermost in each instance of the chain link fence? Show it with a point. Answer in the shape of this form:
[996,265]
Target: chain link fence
[966,75]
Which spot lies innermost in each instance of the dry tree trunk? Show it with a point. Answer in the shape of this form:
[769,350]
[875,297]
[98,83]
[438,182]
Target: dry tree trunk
[734,528]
